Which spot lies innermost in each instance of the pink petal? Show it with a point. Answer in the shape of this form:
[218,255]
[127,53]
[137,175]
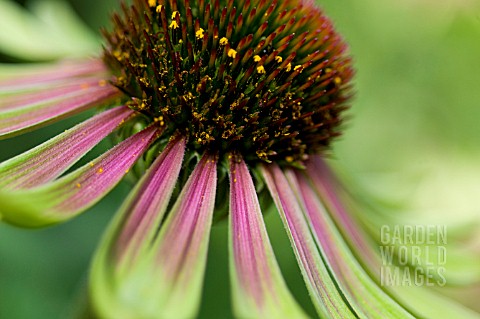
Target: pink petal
[44,95]
[50,159]
[258,287]
[330,190]
[53,73]
[144,210]
[249,236]
[91,182]
[364,294]
[163,278]
[323,290]
[327,187]
[186,230]
[16,121]
[70,195]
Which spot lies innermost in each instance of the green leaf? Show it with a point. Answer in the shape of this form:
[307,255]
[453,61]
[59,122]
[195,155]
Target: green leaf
[25,35]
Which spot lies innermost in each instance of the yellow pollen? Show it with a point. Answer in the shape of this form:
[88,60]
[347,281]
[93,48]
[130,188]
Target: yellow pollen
[159,8]
[102,82]
[173,25]
[297,67]
[278,59]
[256,58]
[234,180]
[261,154]
[289,67]
[338,80]
[174,14]
[232,53]
[100,170]
[289,159]
[152,3]
[91,164]
[79,185]
[126,171]
[199,34]
[223,41]
[260,69]
[328,70]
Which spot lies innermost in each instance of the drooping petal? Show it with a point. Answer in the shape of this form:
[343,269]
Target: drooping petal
[49,160]
[130,235]
[183,241]
[368,299]
[327,299]
[417,298]
[164,278]
[68,196]
[323,183]
[41,76]
[16,100]
[259,290]
[148,203]
[19,120]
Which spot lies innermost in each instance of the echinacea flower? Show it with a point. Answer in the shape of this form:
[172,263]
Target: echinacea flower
[221,108]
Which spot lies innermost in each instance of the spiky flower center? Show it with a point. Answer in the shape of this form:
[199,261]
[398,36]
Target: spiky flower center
[267,79]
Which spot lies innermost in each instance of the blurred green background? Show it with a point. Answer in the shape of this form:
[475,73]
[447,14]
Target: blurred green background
[412,138]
